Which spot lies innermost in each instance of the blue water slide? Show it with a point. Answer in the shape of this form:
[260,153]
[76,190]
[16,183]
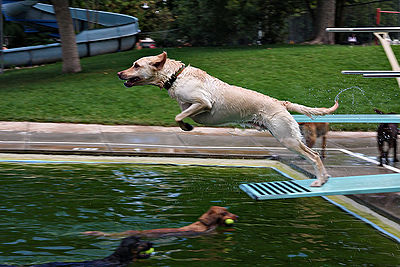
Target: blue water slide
[116,32]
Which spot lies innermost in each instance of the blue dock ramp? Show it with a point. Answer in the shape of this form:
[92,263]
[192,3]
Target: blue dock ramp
[351,118]
[364,184]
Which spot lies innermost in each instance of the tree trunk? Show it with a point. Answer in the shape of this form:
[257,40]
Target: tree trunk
[70,56]
[325,18]
[339,19]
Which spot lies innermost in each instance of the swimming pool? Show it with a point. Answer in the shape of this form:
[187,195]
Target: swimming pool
[44,207]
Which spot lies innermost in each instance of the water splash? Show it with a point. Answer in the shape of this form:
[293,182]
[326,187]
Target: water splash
[351,88]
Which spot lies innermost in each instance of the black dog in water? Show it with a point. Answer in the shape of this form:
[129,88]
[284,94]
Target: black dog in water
[387,133]
[130,248]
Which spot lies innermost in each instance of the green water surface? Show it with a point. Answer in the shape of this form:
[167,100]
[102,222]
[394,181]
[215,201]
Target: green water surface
[44,207]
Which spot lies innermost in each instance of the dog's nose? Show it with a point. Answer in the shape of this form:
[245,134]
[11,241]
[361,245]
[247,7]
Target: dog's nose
[121,75]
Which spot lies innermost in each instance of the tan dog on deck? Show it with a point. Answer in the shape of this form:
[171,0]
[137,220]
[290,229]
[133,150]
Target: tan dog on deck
[215,216]
[312,130]
[210,101]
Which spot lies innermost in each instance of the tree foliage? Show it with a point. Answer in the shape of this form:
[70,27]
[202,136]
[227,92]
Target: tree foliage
[207,22]
[238,22]
[153,15]
[204,22]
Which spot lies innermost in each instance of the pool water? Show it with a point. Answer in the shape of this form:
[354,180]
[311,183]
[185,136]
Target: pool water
[44,207]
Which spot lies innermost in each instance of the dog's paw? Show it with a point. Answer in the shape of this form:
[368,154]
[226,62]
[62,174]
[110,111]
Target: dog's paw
[318,183]
[186,126]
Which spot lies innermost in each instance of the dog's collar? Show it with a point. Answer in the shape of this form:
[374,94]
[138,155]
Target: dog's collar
[171,80]
[203,222]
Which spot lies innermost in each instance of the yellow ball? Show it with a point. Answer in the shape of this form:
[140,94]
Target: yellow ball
[229,221]
[149,251]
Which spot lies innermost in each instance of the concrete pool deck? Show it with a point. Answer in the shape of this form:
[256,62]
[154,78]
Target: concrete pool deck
[348,153]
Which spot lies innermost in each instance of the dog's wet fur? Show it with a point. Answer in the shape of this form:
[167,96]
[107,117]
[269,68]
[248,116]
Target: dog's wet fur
[210,101]
[387,134]
[209,221]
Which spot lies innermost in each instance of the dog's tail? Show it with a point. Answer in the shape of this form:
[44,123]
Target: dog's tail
[310,111]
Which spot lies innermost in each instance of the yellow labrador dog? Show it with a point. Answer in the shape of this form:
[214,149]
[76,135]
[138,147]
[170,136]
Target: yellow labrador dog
[210,101]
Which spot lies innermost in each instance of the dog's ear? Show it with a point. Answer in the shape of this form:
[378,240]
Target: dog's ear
[209,218]
[160,60]
[124,251]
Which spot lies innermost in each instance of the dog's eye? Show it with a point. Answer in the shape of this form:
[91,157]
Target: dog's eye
[136,66]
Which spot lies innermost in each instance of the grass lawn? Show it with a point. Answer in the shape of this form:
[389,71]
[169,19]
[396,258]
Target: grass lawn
[308,75]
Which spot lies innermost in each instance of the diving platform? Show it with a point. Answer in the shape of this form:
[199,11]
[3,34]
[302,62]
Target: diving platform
[373,73]
[364,29]
[351,118]
[364,184]
[382,34]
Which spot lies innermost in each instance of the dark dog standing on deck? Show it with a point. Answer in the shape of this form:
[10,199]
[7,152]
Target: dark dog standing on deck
[387,133]
[312,130]
[129,249]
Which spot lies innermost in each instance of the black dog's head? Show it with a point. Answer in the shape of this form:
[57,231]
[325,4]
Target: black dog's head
[132,248]
[381,112]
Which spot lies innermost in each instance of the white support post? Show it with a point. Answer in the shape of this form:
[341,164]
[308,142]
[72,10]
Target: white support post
[383,38]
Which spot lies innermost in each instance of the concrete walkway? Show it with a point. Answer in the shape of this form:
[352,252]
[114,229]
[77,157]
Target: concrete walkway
[348,153]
